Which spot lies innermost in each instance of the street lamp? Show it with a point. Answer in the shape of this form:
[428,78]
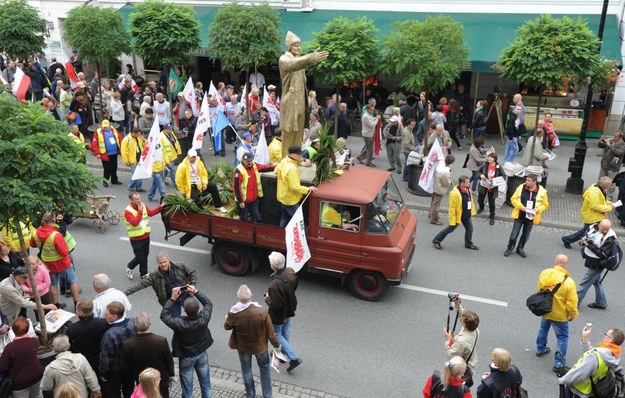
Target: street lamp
[575,183]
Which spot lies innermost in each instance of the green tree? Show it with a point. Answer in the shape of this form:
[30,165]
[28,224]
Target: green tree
[99,45]
[547,51]
[164,33]
[22,29]
[354,51]
[46,170]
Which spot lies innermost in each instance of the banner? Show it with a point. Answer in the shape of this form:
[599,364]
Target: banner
[221,102]
[426,180]
[203,123]
[20,84]
[71,75]
[377,138]
[175,84]
[262,151]
[274,113]
[221,122]
[151,152]
[297,251]
[190,97]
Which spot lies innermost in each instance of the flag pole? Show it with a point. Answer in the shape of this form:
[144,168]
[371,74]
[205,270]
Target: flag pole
[305,197]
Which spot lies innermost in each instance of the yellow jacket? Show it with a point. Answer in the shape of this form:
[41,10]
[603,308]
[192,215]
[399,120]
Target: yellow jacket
[594,206]
[129,148]
[9,235]
[170,151]
[290,189]
[455,206]
[183,176]
[565,299]
[541,203]
[275,151]
[159,165]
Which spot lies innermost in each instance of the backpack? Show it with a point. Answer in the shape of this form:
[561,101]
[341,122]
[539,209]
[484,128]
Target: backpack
[612,262]
[605,387]
[541,303]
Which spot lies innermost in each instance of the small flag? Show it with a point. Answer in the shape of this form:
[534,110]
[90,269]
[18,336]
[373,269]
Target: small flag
[175,84]
[20,84]
[203,123]
[151,152]
[221,103]
[221,122]
[297,251]
[71,75]
[426,180]
[262,152]
[190,97]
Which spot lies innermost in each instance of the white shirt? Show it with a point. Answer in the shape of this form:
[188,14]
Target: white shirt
[107,297]
[257,79]
[161,111]
[195,178]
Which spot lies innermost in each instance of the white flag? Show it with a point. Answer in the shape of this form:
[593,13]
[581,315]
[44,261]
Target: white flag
[426,180]
[203,123]
[244,95]
[274,113]
[297,252]
[190,97]
[151,152]
[2,80]
[221,103]
[262,152]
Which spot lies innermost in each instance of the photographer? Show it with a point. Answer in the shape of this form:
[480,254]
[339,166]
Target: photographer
[598,243]
[595,362]
[463,344]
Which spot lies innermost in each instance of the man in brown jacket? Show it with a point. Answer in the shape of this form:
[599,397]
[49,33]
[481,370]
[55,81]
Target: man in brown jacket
[251,328]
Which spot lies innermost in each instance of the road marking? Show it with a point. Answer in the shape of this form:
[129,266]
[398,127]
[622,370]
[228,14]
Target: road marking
[175,247]
[444,293]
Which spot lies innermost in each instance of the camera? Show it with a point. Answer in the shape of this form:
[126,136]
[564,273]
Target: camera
[183,289]
[453,296]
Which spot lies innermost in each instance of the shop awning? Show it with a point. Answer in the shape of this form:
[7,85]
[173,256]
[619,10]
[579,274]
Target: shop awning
[485,34]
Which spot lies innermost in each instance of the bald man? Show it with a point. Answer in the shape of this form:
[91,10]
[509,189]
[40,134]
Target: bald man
[563,311]
[598,244]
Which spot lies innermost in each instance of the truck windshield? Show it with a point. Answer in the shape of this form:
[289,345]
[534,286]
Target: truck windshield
[382,213]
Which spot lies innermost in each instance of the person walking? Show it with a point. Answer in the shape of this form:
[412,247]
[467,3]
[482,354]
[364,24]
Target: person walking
[136,217]
[106,145]
[251,328]
[131,149]
[369,123]
[612,158]
[514,129]
[442,182]
[564,310]
[598,244]
[488,172]
[461,209]
[392,134]
[594,209]
[502,379]
[530,201]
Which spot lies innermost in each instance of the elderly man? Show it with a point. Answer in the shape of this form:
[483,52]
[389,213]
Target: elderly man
[68,367]
[106,295]
[369,123]
[534,153]
[192,180]
[161,110]
[408,144]
[86,334]
[442,136]
[612,158]
[251,328]
[13,299]
[594,209]
[293,76]
[106,146]
[111,374]
[393,136]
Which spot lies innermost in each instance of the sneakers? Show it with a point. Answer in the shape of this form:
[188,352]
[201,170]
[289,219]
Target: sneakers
[561,370]
[507,253]
[521,253]
[472,247]
[437,245]
[129,273]
[293,364]
[547,351]
[146,276]
[222,209]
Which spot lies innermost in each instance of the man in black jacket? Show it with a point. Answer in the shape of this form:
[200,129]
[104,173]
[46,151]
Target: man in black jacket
[191,339]
[282,302]
[86,334]
[598,243]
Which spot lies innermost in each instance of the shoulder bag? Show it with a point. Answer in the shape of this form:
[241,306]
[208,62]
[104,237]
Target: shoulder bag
[541,303]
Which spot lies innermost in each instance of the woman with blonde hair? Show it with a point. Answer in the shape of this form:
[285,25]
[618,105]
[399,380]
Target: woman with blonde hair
[313,105]
[503,379]
[149,380]
[67,390]
[448,382]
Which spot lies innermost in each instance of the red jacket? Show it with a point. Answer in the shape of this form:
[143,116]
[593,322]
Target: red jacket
[60,245]
[135,220]
[95,146]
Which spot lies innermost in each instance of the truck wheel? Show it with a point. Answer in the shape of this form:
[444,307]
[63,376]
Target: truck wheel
[367,285]
[232,259]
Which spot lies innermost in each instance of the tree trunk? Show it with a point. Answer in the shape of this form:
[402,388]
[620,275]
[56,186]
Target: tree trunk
[101,112]
[33,283]
[540,95]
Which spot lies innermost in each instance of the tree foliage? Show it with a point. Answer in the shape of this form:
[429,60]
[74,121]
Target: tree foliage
[427,55]
[548,50]
[164,33]
[234,36]
[22,29]
[353,48]
[96,44]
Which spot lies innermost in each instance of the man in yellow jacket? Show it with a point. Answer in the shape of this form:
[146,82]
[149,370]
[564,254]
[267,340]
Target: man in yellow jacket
[529,201]
[290,190]
[594,209]
[192,181]
[275,148]
[563,311]
[132,146]
[171,151]
[461,209]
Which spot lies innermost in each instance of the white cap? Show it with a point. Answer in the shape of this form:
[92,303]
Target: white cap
[395,118]
[192,152]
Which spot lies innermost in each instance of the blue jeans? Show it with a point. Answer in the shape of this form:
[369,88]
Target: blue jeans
[134,185]
[171,170]
[519,224]
[198,362]
[512,149]
[157,183]
[283,334]
[478,131]
[574,237]
[286,214]
[562,336]
[406,172]
[592,277]
[265,374]
[468,232]
[254,208]
[475,178]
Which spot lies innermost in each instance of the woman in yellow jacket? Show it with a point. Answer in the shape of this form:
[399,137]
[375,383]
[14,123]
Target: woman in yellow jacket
[461,209]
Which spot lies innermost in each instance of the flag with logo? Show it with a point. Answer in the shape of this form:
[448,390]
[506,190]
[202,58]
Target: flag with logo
[175,83]
[426,180]
[221,102]
[203,123]
[221,122]
[190,97]
[268,103]
[20,84]
[151,152]
[262,151]
[297,251]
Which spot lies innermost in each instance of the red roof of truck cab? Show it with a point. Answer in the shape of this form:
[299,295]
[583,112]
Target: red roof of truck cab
[358,185]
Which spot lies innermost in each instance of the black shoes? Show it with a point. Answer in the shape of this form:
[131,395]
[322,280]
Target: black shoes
[521,253]
[117,183]
[293,364]
[105,184]
[566,244]
[491,221]
[547,351]
[507,253]
[472,247]
[480,210]
[437,246]
[595,306]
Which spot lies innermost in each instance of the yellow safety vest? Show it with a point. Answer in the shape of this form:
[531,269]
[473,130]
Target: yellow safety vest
[48,250]
[25,232]
[69,239]
[143,227]
[243,186]
[602,369]
[312,152]
[330,217]
[102,144]
[80,139]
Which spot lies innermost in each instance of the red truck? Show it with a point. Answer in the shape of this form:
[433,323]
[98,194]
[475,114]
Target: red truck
[371,247]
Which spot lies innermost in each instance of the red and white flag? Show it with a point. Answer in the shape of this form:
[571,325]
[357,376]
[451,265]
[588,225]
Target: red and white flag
[297,251]
[3,81]
[268,103]
[203,123]
[244,94]
[221,102]
[261,156]
[151,152]
[426,180]
[71,75]
[20,84]
[190,97]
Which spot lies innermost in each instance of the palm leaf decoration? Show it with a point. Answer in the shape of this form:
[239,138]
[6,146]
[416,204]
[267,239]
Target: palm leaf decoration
[176,202]
[325,159]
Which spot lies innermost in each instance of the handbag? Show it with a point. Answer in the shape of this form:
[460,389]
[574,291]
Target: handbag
[541,303]
[520,391]
[468,375]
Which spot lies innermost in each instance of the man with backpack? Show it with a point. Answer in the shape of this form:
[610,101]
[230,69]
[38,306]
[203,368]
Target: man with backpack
[599,244]
[591,375]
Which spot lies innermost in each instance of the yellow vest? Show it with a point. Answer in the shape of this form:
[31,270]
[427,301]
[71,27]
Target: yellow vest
[80,139]
[602,369]
[69,239]
[102,144]
[170,151]
[48,250]
[143,227]
[243,186]
[312,152]
[9,235]
[159,165]
[330,217]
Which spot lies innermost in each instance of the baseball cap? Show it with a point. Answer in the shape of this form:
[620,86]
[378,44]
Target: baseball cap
[247,156]
[394,119]
[191,153]
[168,126]
[246,134]
[20,271]
[106,123]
